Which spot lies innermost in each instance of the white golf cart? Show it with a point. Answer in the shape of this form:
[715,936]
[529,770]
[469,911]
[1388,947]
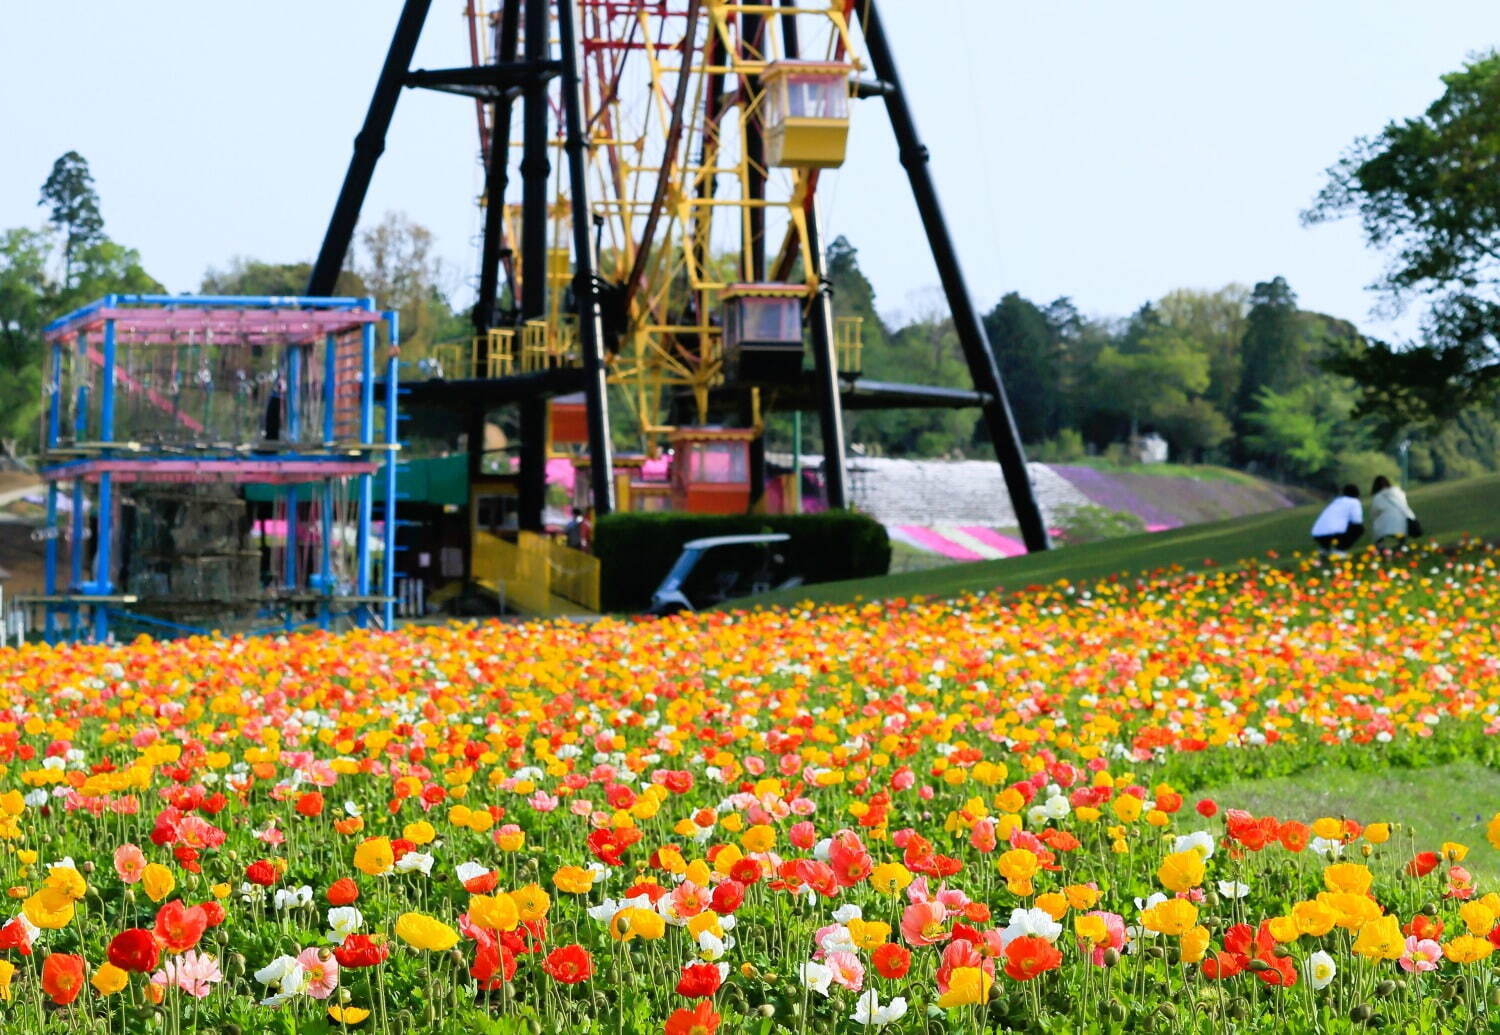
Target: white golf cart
[719,568]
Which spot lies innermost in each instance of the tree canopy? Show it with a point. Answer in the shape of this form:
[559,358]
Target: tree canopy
[1426,189]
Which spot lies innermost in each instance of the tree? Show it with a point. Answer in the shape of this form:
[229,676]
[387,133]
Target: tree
[245,276]
[24,311]
[396,264]
[1428,190]
[1271,352]
[1028,353]
[1217,321]
[69,191]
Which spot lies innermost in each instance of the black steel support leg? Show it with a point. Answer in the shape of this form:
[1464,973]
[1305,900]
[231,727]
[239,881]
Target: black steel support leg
[826,366]
[497,176]
[585,283]
[977,351]
[820,319]
[535,168]
[367,149]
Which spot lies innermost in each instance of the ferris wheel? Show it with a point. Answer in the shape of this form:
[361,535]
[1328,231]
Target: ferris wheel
[667,238]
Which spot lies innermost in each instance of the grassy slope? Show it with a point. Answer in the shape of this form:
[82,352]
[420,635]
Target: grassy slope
[1444,803]
[1446,510]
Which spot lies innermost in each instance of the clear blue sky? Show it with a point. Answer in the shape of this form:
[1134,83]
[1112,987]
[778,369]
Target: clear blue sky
[1110,151]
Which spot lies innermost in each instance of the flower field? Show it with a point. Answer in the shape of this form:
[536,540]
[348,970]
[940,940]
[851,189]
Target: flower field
[968,816]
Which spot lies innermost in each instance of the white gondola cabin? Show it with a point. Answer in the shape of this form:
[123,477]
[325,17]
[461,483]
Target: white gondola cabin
[806,113]
[763,332]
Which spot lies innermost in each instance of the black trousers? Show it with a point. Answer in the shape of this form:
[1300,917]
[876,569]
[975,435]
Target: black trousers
[1345,539]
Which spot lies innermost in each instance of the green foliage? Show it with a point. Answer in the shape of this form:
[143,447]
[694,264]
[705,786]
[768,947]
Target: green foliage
[246,276]
[636,550]
[30,298]
[1425,188]
[73,208]
[1298,431]
[1090,524]
[1359,467]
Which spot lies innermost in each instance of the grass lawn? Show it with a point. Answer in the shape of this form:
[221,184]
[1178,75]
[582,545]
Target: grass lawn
[1445,803]
[1447,510]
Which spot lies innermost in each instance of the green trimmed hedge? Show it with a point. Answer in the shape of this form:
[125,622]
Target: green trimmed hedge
[636,550]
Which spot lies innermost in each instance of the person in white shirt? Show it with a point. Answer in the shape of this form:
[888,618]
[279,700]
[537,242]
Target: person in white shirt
[1341,523]
[1391,517]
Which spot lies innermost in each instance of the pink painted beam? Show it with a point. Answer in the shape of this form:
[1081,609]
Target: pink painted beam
[272,472]
[227,326]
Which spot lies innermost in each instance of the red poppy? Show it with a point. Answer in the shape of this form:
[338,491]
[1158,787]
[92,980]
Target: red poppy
[569,964]
[213,912]
[1423,926]
[179,926]
[816,875]
[15,936]
[1222,965]
[728,897]
[699,980]
[1169,801]
[650,889]
[491,957]
[701,1020]
[891,961]
[1280,971]
[1207,808]
[1423,864]
[360,950]
[746,871]
[187,858]
[1293,835]
[310,804]
[1028,956]
[262,872]
[343,892]
[609,844]
[135,950]
[62,977]
[400,846]
[849,859]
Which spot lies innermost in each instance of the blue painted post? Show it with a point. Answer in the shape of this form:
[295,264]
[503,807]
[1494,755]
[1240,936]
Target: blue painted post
[104,519]
[80,433]
[75,553]
[294,356]
[330,393]
[363,611]
[392,374]
[325,567]
[50,620]
[102,560]
[289,564]
[107,389]
[54,408]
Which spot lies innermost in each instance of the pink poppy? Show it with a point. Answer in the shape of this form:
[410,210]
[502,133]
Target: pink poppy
[130,862]
[1422,954]
[922,923]
[194,972]
[321,970]
[847,971]
[1115,925]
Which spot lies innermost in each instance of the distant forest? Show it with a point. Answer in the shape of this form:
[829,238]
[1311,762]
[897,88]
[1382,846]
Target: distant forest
[1236,376]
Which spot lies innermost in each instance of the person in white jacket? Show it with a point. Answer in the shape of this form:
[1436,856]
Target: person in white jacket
[1390,515]
[1340,524]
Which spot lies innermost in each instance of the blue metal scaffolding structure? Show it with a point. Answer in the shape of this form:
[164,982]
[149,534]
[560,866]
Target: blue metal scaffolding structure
[194,390]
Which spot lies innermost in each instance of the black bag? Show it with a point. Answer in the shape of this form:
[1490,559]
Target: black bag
[1413,528]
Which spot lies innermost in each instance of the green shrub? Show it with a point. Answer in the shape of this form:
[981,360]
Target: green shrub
[1086,523]
[1360,469]
[636,550]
